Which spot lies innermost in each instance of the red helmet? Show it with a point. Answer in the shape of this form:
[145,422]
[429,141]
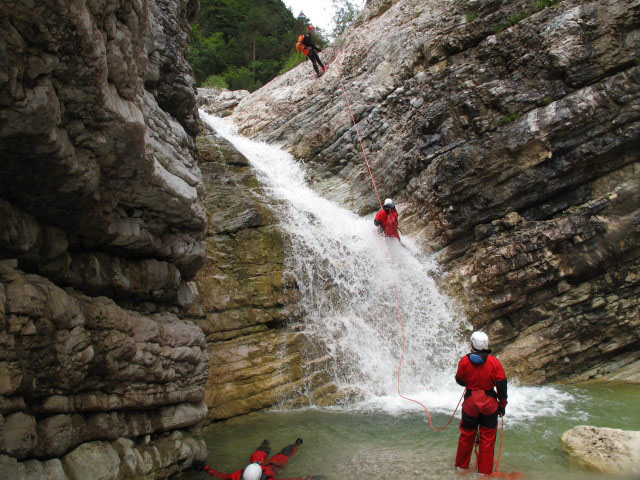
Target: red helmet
[311,28]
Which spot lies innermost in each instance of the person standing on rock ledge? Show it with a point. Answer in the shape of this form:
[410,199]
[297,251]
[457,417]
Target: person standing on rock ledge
[480,372]
[306,46]
[387,220]
[260,468]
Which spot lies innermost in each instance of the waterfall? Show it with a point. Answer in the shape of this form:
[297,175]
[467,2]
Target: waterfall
[347,274]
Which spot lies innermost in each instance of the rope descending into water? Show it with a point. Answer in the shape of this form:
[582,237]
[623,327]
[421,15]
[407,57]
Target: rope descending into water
[390,260]
[496,472]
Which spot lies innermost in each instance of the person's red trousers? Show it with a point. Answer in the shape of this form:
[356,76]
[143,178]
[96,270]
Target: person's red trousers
[478,410]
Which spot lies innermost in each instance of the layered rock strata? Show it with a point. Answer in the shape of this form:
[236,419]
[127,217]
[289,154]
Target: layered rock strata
[508,134]
[247,304]
[102,231]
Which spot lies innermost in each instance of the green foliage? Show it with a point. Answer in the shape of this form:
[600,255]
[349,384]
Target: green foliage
[244,43]
[500,27]
[508,118]
[206,54]
[515,19]
[294,60]
[542,4]
[241,78]
[470,15]
[346,12]
[537,6]
[215,81]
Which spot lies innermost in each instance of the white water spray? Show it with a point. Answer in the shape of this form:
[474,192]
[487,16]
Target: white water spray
[346,278]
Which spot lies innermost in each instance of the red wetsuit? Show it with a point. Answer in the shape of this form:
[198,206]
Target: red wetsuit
[269,468]
[480,372]
[388,220]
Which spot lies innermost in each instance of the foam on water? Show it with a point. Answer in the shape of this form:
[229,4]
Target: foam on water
[346,279]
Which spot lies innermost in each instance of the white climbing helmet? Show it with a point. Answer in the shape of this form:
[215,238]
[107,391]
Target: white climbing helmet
[479,340]
[252,472]
[389,203]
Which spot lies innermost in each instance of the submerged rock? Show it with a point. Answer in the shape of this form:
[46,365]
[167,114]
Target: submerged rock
[606,450]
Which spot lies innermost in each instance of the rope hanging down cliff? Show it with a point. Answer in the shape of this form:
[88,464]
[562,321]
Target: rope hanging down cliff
[390,260]
[496,472]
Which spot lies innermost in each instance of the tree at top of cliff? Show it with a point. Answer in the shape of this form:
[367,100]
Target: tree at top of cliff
[242,44]
[345,13]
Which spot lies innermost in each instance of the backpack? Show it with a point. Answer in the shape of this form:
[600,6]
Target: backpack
[300,46]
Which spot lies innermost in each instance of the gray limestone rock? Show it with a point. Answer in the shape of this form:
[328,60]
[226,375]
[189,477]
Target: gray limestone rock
[606,450]
[220,103]
[97,460]
[100,202]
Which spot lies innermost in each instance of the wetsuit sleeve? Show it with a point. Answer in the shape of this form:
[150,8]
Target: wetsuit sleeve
[226,476]
[378,220]
[501,383]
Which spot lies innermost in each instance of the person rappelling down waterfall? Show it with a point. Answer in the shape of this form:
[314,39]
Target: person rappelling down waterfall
[306,46]
[479,372]
[259,467]
[387,220]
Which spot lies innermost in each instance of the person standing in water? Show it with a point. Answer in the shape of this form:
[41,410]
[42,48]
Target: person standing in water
[485,398]
[387,220]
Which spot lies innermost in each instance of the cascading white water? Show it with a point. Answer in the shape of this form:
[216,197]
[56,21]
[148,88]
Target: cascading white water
[346,274]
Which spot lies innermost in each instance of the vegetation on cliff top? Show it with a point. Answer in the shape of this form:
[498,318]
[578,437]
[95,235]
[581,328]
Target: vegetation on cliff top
[242,44]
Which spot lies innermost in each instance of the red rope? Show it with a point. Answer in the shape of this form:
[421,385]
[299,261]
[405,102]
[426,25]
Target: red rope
[398,309]
[395,286]
[366,160]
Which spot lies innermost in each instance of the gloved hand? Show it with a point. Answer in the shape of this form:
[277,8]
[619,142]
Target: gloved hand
[501,411]
[298,441]
[197,465]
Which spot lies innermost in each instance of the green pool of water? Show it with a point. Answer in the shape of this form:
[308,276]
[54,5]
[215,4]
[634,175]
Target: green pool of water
[371,445]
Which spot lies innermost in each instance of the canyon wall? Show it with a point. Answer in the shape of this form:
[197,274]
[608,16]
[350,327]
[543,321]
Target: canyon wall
[508,133]
[102,229]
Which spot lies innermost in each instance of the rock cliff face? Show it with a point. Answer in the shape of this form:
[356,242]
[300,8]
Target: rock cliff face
[101,233]
[509,135]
